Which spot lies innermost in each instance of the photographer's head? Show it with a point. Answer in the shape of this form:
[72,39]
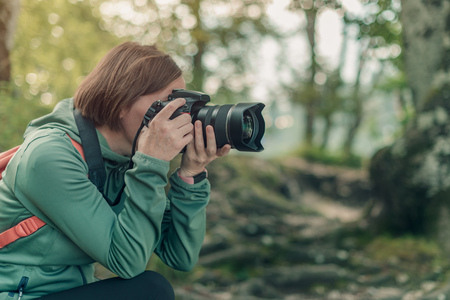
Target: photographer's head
[126,73]
[131,77]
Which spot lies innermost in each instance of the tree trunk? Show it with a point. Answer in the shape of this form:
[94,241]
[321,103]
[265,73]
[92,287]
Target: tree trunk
[426,26]
[201,42]
[311,103]
[326,131]
[9,10]
[411,178]
[356,109]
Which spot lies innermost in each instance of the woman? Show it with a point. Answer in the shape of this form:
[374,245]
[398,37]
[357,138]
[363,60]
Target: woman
[47,178]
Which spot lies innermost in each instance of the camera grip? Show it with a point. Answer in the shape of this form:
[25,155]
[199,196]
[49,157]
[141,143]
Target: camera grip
[157,106]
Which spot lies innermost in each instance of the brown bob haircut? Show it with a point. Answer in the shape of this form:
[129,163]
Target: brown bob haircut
[126,72]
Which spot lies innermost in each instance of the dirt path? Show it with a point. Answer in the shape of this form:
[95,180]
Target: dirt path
[331,209]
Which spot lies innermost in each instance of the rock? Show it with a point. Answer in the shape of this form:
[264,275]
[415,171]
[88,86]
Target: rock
[351,186]
[286,230]
[237,254]
[257,287]
[301,277]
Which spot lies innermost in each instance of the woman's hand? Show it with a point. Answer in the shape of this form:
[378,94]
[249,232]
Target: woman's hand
[165,138]
[197,156]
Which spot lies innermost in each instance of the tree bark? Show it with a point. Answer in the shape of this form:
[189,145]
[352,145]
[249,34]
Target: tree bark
[411,178]
[425,29]
[9,10]
[311,103]
[356,109]
[201,42]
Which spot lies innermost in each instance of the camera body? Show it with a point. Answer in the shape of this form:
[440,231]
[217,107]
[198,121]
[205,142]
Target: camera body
[194,102]
[240,125]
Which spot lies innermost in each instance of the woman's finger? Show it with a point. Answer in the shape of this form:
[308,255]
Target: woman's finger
[224,150]
[211,146]
[198,136]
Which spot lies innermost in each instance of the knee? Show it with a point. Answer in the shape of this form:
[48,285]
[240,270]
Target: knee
[157,285]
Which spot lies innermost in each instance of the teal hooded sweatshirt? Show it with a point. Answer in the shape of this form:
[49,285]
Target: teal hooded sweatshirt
[47,178]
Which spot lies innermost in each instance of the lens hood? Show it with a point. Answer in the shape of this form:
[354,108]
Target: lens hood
[240,125]
[236,127]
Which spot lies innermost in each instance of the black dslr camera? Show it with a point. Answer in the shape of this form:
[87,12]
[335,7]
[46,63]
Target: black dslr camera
[240,125]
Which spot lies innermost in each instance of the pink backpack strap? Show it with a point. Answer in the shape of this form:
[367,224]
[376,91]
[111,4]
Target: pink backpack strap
[32,224]
[78,147]
[23,229]
[5,157]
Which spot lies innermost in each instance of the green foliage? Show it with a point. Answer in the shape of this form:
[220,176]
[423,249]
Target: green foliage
[398,85]
[15,114]
[417,252]
[383,27]
[56,44]
[213,40]
[321,89]
[320,155]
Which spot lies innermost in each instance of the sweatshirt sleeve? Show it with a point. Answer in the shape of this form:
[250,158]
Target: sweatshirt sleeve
[52,176]
[184,224]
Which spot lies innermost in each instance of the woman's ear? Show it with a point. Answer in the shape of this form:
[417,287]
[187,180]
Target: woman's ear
[122,113]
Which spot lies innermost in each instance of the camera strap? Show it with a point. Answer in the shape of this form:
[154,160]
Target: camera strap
[133,148]
[93,154]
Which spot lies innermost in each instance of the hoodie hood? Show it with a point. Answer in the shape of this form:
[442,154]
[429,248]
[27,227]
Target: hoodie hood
[62,118]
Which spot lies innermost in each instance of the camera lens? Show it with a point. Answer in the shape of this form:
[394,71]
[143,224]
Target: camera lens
[240,125]
[247,128]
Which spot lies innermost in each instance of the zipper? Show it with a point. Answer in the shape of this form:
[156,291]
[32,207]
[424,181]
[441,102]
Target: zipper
[20,293]
[22,285]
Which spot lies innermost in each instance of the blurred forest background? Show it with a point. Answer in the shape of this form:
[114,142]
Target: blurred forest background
[348,201]
[330,72]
